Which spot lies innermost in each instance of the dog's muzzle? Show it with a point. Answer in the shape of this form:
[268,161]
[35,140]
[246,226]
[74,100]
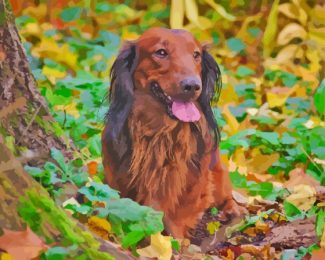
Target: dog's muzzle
[162,97]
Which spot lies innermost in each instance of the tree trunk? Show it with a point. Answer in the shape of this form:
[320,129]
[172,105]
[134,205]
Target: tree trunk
[27,128]
[25,123]
[25,201]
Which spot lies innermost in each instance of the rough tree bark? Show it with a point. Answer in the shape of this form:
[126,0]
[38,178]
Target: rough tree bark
[27,128]
[26,125]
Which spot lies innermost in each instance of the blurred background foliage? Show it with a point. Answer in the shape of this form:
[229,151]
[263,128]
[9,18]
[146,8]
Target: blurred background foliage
[271,53]
[271,109]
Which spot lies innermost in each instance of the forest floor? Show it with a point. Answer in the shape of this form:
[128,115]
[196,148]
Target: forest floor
[271,113]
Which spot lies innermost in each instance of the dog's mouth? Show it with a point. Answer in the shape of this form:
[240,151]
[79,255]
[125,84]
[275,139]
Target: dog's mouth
[185,111]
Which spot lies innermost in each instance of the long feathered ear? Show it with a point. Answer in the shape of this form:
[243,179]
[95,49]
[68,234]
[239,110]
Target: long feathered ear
[211,87]
[121,90]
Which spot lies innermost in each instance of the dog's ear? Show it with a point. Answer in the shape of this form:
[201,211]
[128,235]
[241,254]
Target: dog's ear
[211,87]
[122,89]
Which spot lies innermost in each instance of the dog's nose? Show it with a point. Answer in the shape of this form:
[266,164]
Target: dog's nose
[191,84]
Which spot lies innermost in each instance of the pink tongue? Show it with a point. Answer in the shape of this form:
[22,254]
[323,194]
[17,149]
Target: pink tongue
[185,111]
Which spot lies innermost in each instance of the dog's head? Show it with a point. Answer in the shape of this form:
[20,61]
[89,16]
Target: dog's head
[172,66]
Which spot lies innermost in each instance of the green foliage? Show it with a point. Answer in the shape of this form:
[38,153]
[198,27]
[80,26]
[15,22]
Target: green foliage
[292,212]
[130,221]
[98,192]
[302,251]
[319,98]
[56,253]
[264,189]
[70,14]
[271,109]
[214,211]
[320,222]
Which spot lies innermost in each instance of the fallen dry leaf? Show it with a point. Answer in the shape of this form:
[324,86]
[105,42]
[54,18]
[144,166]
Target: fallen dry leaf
[303,196]
[277,96]
[160,247]
[298,176]
[92,167]
[231,120]
[99,226]
[318,254]
[22,245]
[260,252]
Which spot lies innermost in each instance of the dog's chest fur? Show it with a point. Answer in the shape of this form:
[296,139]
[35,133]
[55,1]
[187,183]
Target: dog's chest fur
[166,153]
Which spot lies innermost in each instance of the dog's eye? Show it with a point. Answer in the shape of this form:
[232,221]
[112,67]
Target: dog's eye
[196,55]
[162,53]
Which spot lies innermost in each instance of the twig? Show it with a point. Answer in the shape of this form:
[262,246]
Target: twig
[311,159]
[29,124]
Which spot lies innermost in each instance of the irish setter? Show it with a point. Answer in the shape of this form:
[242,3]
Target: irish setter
[160,143]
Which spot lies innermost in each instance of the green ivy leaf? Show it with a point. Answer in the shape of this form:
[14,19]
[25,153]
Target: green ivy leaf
[56,253]
[264,188]
[175,245]
[320,222]
[99,192]
[288,139]
[34,171]
[132,238]
[235,44]
[59,158]
[70,14]
[319,98]
[271,137]
[292,212]
[244,71]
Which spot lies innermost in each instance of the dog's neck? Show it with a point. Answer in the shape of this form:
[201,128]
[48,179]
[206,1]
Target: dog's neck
[164,151]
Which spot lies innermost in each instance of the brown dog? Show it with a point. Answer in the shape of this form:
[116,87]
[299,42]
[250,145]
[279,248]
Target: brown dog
[160,143]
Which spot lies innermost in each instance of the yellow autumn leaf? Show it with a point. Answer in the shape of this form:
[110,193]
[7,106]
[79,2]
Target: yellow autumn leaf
[303,196]
[314,59]
[205,23]
[289,32]
[31,29]
[303,9]
[192,12]
[53,74]
[177,14]
[286,54]
[277,96]
[159,247]
[213,227]
[228,94]
[238,162]
[232,123]
[278,218]
[317,35]
[39,12]
[99,226]
[317,14]
[262,227]
[259,163]
[270,30]
[219,9]
[294,12]
[49,48]
[70,109]
[128,35]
